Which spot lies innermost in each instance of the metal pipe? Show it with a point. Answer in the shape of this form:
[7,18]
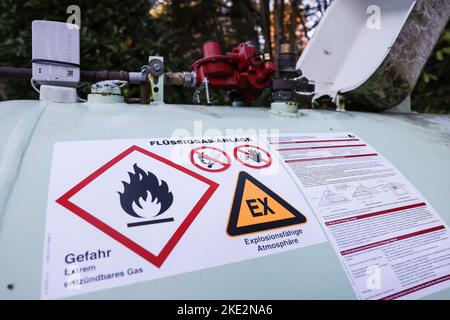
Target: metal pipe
[95,76]
[185,78]
[11,73]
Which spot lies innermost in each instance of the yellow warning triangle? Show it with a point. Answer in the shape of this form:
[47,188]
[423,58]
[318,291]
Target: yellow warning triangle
[257,208]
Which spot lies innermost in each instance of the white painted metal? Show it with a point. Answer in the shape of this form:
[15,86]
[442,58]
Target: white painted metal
[284,108]
[57,94]
[58,42]
[351,42]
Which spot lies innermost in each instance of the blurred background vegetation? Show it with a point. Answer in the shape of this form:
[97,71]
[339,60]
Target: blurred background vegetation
[120,35]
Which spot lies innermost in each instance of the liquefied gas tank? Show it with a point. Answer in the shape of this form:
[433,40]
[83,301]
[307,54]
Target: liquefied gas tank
[417,144]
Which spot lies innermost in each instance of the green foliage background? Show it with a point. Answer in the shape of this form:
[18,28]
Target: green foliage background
[120,35]
[432,92]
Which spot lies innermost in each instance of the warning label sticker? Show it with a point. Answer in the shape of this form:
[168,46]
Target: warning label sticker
[257,208]
[125,211]
[253,156]
[147,201]
[389,239]
[210,159]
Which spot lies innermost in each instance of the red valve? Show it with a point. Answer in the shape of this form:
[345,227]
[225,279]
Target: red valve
[242,69]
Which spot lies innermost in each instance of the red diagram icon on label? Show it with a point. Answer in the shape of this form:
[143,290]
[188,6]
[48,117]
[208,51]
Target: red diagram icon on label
[253,156]
[210,159]
[139,198]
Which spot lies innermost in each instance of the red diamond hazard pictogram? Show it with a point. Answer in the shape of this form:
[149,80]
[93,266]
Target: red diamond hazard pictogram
[118,197]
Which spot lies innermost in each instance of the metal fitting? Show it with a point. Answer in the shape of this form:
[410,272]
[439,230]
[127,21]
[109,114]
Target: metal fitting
[186,79]
[108,87]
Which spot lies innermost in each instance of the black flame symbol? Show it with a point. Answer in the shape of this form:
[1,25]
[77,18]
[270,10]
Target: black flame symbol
[136,189]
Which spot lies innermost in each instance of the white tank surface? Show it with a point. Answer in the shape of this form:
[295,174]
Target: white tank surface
[417,144]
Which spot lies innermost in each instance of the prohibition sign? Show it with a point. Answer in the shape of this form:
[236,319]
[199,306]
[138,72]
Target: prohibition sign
[210,159]
[252,156]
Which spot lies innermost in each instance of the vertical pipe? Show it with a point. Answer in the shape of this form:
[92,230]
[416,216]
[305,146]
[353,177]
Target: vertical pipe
[212,48]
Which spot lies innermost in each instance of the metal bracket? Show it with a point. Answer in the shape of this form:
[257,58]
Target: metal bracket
[204,86]
[154,72]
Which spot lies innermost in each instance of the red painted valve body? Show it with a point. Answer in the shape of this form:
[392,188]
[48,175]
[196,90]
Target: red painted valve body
[242,69]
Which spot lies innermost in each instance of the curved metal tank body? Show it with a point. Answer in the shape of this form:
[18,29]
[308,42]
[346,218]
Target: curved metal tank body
[417,144]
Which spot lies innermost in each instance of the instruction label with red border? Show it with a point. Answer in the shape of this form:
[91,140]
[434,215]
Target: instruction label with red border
[126,211]
[391,242]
